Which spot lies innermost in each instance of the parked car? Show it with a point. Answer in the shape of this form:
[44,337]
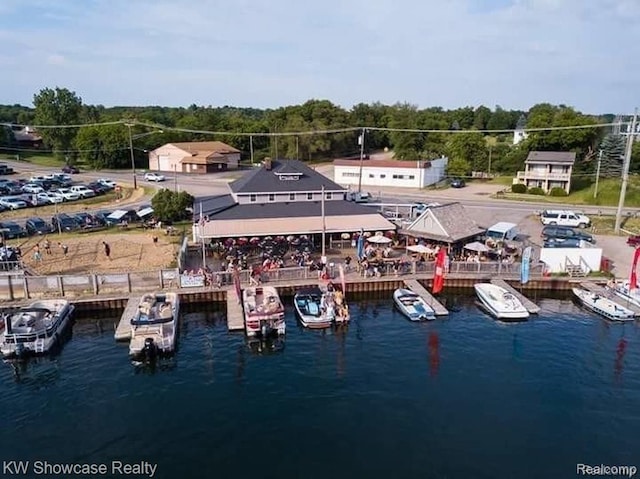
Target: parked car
[154,177]
[564,232]
[5,170]
[12,230]
[86,220]
[457,183]
[83,191]
[33,200]
[38,226]
[12,202]
[107,182]
[564,218]
[98,188]
[37,178]
[64,222]
[70,169]
[67,194]
[32,188]
[50,197]
[562,243]
[633,240]
[101,218]
[11,188]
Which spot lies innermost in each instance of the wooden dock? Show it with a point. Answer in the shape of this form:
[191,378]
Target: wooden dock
[235,314]
[123,330]
[420,290]
[607,293]
[530,306]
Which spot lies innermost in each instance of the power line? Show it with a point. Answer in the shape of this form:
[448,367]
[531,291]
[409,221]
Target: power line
[317,132]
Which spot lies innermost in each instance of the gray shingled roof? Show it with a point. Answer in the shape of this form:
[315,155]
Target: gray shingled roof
[455,221]
[294,209]
[560,157]
[261,180]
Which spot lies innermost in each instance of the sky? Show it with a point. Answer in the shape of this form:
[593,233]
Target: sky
[272,53]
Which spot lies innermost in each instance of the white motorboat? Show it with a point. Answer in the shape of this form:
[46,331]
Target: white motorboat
[263,311]
[34,329]
[603,305]
[499,302]
[154,327]
[622,290]
[412,305]
[318,308]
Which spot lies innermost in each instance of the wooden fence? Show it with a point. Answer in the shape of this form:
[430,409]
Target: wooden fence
[16,286]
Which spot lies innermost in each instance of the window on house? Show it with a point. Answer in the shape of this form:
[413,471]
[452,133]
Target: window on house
[272,197]
[309,196]
[252,198]
[328,196]
[194,167]
[292,196]
[412,177]
[395,177]
[370,175]
[383,176]
[350,174]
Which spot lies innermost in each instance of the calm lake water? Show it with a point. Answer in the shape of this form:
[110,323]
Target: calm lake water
[459,397]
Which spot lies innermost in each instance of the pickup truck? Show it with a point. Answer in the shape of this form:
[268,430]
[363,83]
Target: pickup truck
[83,191]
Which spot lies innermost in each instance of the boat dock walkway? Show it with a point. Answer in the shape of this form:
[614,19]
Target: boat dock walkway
[123,330]
[529,305]
[235,315]
[610,295]
[420,290]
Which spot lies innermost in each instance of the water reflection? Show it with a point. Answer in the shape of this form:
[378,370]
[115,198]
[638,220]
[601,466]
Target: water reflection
[618,364]
[262,346]
[160,365]
[40,370]
[434,353]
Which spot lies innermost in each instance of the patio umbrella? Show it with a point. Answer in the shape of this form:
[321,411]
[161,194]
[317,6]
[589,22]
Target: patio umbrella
[476,246]
[419,248]
[379,239]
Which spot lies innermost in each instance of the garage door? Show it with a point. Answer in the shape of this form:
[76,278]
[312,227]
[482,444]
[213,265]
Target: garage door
[163,163]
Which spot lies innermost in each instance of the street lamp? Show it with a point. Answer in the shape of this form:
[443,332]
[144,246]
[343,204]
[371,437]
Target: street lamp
[133,161]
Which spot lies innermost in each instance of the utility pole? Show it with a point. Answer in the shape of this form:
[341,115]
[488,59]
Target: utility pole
[297,149]
[625,171]
[251,147]
[595,191]
[489,172]
[361,141]
[133,160]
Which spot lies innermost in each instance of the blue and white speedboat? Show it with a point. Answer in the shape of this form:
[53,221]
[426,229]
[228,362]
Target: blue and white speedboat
[412,305]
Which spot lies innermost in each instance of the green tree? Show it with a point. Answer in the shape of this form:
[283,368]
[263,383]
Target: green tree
[458,167]
[481,117]
[406,145]
[613,149]
[104,146]
[57,106]
[6,135]
[634,166]
[170,205]
[470,147]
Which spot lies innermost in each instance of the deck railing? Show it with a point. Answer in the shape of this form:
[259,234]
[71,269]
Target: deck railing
[18,286]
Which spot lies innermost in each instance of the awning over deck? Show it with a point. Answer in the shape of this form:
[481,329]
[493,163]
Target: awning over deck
[293,226]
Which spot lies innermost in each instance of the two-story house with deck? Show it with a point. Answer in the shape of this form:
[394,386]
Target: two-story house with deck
[284,197]
[547,170]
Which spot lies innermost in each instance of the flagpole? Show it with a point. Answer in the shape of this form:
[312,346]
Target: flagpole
[324,226]
[204,256]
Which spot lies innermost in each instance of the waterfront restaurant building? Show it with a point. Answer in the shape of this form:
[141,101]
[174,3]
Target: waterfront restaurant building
[449,223]
[284,197]
[409,174]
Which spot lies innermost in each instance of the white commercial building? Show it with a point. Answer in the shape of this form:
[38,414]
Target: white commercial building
[409,174]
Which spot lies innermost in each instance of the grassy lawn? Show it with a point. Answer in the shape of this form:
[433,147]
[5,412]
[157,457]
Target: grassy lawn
[608,194]
[605,224]
[501,180]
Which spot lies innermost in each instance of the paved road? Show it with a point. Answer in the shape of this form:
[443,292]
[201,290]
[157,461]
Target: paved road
[475,197]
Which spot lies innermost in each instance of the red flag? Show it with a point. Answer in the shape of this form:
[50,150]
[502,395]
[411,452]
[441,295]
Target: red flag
[438,277]
[633,281]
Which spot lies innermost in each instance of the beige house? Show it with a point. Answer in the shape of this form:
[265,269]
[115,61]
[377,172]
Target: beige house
[547,170]
[194,157]
[449,223]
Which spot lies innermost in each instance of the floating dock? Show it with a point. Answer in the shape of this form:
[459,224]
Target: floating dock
[123,330]
[420,290]
[607,293]
[235,315]
[530,306]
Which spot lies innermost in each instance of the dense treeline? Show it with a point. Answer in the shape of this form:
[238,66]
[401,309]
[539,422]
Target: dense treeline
[107,145]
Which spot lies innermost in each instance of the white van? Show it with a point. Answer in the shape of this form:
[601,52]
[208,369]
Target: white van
[502,231]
